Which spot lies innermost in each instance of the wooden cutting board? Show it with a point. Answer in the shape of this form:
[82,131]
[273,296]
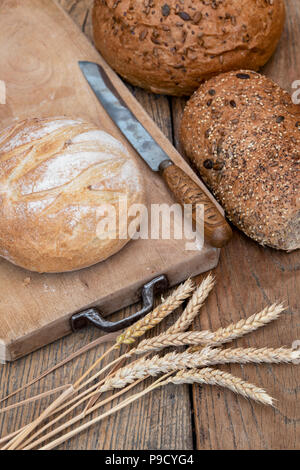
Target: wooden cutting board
[39,52]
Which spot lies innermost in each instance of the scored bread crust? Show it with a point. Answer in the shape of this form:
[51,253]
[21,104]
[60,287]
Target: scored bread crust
[171,46]
[242,132]
[55,174]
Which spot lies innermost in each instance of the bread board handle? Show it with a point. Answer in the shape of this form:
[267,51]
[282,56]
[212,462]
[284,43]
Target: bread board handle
[94,317]
[217,231]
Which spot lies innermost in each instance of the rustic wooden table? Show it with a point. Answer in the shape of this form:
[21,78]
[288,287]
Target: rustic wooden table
[248,278]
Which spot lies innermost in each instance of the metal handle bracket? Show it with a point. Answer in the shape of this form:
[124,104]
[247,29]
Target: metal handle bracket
[93,316]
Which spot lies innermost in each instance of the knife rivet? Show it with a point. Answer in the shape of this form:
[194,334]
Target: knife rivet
[165,164]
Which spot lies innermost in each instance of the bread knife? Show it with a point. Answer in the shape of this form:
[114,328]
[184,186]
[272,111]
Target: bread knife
[217,232]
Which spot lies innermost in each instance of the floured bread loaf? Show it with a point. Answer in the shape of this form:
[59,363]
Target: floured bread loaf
[55,174]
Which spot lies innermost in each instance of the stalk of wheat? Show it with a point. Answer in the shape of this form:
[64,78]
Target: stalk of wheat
[148,322]
[205,376]
[246,326]
[243,327]
[210,376]
[196,302]
[184,321]
[158,365]
[206,337]
[255,356]
[166,340]
[189,366]
[157,315]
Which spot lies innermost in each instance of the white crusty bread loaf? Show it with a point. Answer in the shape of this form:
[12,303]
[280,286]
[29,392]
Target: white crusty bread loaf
[242,132]
[54,175]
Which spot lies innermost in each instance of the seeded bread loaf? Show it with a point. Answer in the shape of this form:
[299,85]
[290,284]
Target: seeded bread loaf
[171,46]
[55,176]
[242,132]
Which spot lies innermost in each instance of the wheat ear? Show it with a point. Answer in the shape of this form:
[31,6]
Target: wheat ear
[129,336]
[184,321]
[166,340]
[160,312]
[171,337]
[195,303]
[223,379]
[257,356]
[157,315]
[246,326]
[198,298]
[221,336]
[157,365]
[243,327]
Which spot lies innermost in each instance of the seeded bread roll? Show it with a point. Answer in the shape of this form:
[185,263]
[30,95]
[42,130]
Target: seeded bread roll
[171,46]
[242,132]
[55,174]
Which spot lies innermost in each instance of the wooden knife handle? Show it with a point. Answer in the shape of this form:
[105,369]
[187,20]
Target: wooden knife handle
[217,232]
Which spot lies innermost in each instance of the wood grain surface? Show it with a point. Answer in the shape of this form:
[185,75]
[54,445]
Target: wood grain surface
[248,278]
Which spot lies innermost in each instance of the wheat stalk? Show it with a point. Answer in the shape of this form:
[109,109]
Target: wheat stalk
[111,337]
[205,376]
[138,329]
[118,407]
[143,368]
[223,379]
[19,438]
[178,296]
[157,315]
[34,398]
[182,323]
[166,340]
[153,319]
[157,365]
[150,321]
[257,356]
[221,336]
[186,363]
[172,361]
[246,326]
[28,445]
[192,309]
